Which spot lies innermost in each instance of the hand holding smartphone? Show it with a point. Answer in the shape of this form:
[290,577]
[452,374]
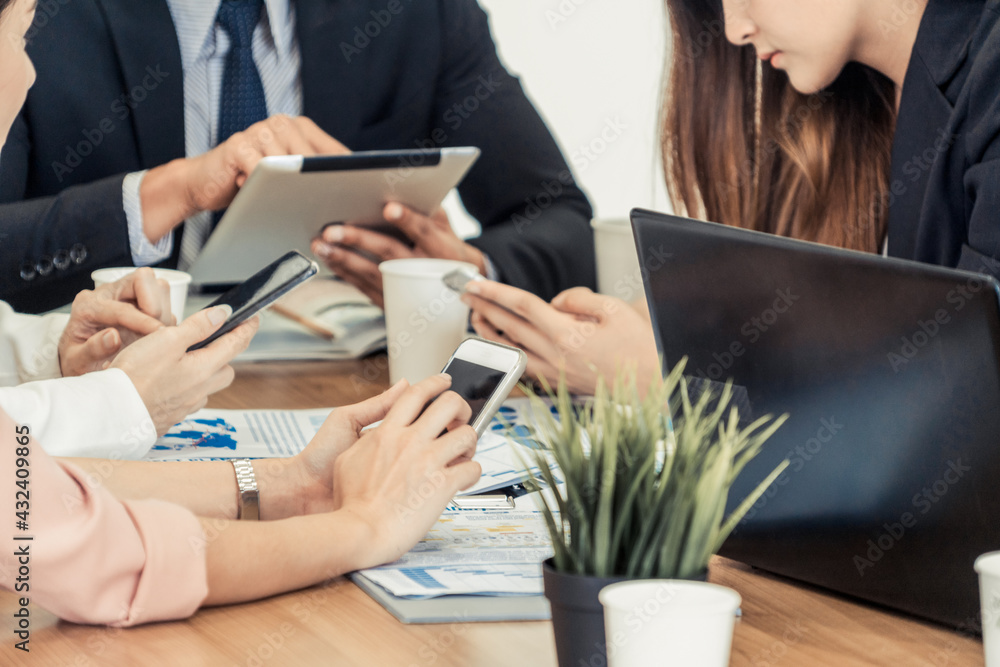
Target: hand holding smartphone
[261,290]
[484,373]
[459,279]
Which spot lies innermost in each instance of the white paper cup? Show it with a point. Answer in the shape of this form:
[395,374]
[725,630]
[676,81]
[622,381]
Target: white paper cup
[666,622]
[617,261]
[988,567]
[179,282]
[424,320]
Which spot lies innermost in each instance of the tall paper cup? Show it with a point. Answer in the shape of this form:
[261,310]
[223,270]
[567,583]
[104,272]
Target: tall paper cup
[617,260]
[666,622]
[424,320]
[179,282]
[988,567]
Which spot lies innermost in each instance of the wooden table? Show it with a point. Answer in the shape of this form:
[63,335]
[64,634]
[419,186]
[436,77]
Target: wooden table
[337,624]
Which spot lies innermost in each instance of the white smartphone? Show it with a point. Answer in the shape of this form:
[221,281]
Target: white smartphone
[484,373]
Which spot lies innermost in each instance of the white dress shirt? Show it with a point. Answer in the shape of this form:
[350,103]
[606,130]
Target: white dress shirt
[203,47]
[99,414]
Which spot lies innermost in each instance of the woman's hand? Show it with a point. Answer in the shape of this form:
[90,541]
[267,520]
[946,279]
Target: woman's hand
[583,334]
[398,478]
[106,320]
[173,382]
[303,484]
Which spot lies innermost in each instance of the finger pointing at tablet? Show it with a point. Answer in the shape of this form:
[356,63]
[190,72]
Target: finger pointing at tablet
[179,189]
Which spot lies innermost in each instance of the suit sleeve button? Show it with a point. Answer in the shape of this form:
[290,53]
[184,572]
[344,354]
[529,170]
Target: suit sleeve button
[28,272]
[61,260]
[44,266]
[78,253]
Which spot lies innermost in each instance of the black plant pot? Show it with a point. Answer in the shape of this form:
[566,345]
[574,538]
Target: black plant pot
[578,616]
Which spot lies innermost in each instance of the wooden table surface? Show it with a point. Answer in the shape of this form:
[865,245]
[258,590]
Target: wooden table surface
[783,623]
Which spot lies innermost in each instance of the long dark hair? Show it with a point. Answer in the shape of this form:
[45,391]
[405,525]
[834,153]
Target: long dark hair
[4,4]
[742,147]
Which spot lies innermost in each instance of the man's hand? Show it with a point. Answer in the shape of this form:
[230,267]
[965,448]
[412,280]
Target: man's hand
[174,192]
[106,320]
[173,382]
[354,253]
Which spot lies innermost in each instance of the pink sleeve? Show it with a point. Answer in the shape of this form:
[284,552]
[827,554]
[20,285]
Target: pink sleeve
[93,558]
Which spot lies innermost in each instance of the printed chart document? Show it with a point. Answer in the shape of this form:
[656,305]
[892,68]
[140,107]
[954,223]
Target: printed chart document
[231,434]
[472,552]
[210,435]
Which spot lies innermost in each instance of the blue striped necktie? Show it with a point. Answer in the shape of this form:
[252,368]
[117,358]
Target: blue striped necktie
[242,102]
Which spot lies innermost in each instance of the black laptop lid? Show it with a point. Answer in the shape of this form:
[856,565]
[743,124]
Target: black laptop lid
[889,370]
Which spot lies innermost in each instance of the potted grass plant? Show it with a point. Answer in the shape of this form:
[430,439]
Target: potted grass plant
[645,483]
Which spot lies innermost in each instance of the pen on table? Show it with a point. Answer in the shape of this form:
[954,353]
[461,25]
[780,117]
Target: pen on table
[484,502]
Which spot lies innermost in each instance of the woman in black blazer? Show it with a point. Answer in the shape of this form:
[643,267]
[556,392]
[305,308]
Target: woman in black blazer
[852,123]
[872,125]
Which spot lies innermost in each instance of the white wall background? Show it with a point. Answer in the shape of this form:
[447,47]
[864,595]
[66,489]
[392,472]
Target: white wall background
[593,68]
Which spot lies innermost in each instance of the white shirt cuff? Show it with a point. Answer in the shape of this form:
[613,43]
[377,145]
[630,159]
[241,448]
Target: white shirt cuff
[491,270]
[144,251]
[98,414]
[29,346]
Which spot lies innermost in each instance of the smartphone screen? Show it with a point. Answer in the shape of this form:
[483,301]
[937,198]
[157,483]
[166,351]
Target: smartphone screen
[474,383]
[260,290]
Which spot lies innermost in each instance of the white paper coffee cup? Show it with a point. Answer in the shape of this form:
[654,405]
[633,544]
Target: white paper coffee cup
[657,622]
[179,282]
[617,260]
[424,320]
[988,567]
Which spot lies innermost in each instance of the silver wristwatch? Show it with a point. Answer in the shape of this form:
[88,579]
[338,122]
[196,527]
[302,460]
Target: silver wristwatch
[248,507]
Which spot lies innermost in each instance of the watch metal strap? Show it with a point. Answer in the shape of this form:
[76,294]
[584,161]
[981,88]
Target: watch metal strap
[248,507]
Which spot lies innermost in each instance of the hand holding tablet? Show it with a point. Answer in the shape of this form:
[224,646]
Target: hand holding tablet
[288,199]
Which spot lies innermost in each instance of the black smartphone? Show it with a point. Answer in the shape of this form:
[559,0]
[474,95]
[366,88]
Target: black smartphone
[261,290]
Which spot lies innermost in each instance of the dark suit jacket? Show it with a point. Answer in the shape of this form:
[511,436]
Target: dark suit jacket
[109,100]
[945,189]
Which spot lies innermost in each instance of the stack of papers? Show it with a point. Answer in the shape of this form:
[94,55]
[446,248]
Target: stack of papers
[472,552]
[468,555]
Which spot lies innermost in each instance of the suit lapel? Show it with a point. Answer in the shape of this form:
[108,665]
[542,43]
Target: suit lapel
[331,86]
[150,61]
